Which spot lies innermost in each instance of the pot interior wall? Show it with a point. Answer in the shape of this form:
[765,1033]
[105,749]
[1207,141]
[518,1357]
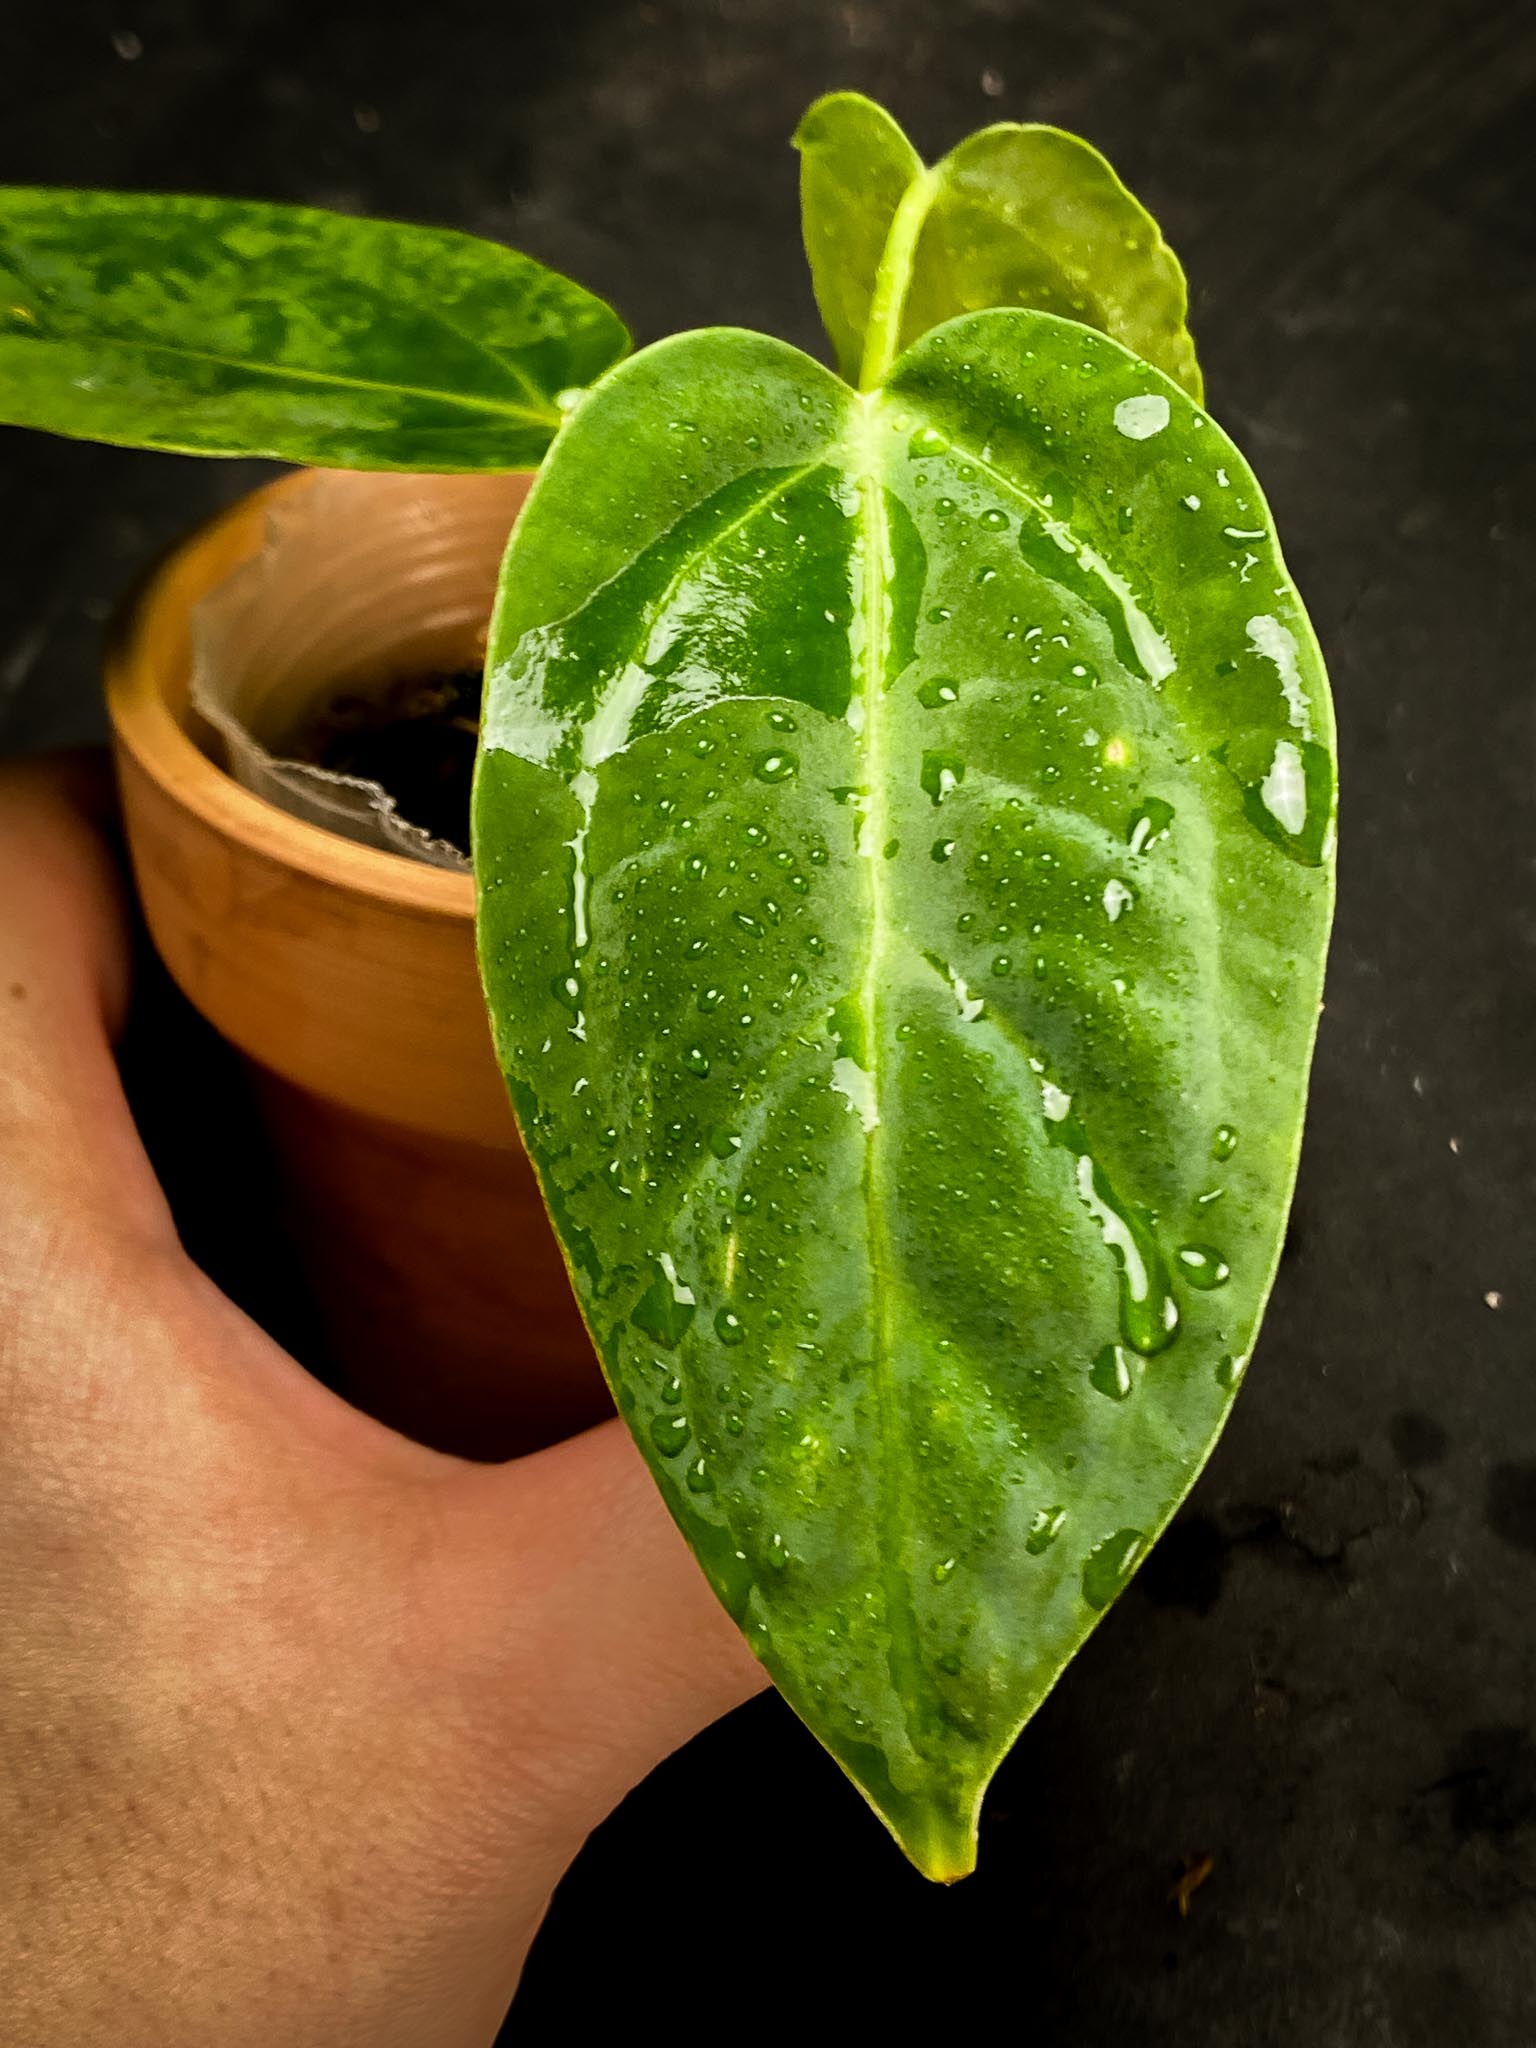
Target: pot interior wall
[364,581]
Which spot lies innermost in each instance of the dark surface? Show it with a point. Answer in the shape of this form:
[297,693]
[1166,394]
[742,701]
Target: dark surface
[418,741]
[1325,1677]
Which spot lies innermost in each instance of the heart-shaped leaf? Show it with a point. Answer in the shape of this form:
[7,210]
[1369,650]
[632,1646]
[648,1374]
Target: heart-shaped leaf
[903,832]
[1016,215]
[226,327]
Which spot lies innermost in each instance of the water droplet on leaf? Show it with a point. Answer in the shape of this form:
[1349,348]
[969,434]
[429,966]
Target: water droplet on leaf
[699,1478]
[1149,823]
[670,1434]
[1117,898]
[1203,1267]
[1111,1373]
[941,775]
[1109,1564]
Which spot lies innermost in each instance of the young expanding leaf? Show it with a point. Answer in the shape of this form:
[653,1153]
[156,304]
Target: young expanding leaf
[1014,216]
[224,327]
[855,165]
[904,840]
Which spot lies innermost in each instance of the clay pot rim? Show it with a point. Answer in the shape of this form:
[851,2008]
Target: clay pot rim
[143,696]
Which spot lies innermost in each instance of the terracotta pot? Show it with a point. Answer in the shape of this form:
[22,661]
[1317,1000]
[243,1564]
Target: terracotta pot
[346,976]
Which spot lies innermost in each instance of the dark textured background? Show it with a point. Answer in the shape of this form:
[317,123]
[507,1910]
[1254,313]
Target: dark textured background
[1324,1677]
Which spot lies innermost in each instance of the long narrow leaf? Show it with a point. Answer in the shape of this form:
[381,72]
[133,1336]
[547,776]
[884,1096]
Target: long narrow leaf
[226,327]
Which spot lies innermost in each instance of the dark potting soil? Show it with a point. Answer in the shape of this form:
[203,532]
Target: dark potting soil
[417,740]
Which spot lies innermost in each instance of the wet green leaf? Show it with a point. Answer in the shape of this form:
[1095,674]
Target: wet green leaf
[1016,215]
[903,833]
[224,327]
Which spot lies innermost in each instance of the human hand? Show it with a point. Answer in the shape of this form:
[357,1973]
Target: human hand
[300,1723]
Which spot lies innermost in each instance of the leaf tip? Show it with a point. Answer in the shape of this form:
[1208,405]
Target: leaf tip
[813,120]
[948,1865]
[940,1843]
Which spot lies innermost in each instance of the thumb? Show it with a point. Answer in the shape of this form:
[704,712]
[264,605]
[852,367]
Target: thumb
[618,1648]
[66,1133]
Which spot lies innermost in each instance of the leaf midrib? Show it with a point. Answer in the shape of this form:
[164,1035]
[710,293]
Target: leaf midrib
[282,372]
[893,281]
[873,612]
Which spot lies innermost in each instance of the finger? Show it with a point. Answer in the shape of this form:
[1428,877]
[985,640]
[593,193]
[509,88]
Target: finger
[622,1650]
[63,908]
[64,975]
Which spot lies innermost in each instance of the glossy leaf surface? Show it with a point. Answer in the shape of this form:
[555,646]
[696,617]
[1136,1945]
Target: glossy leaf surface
[1016,215]
[226,327]
[904,832]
